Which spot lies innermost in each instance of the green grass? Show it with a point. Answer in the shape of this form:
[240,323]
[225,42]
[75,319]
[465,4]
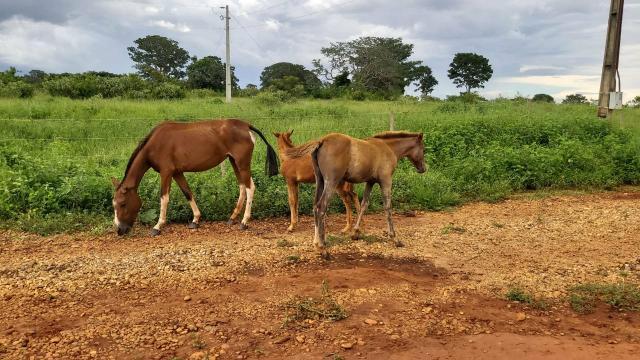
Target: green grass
[584,298]
[519,295]
[484,151]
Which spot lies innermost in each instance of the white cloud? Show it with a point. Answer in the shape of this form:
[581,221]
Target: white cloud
[171,26]
[528,68]
[272,24]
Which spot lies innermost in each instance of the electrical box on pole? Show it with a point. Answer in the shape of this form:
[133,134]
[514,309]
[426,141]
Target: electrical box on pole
[610,63]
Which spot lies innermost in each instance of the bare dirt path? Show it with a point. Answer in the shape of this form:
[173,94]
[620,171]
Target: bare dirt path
[219,292]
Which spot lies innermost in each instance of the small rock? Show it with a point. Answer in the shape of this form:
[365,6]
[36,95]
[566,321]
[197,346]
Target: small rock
[346,345]
[55,340]
[395,337]
[93,353]
[187,298]
[300,338]
[371,322]
[200,355]
[521,316]
[282,340]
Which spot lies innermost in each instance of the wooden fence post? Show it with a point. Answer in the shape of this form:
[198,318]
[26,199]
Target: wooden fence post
[392,121]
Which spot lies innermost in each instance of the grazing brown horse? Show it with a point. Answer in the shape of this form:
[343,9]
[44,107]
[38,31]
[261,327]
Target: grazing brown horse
[172,149]
[300,170]
[338,158]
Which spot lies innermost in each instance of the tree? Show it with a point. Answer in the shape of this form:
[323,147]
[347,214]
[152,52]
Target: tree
[470,71]
[35,76]
[342,80]
[279,71]
[575,99]
[157,58]
[209,73]
[426,81]
[635,103]
[374,64]
[543,98]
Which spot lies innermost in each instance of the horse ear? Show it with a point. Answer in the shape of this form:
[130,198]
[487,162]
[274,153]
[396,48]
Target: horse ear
[420,136]
[276,134]
[115,182]
[290,132]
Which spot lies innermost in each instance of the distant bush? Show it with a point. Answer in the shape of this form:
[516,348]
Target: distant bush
[203,93]
[273,97]
[168,91]
[16,89]
[469,98]
[543,98]
[575,99]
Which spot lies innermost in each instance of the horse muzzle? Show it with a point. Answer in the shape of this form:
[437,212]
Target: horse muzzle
[123,229]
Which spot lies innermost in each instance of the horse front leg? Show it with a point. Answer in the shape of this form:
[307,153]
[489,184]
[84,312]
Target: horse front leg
[385,187]
[363,207]
[184,186]
[292,192]
[165,187]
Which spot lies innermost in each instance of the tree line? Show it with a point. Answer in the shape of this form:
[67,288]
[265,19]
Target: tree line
[364,68]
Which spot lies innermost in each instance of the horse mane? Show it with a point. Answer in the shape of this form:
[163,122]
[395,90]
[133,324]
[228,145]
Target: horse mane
[136,151]
[395,135]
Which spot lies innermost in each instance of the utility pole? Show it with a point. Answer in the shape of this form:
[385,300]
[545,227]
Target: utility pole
[611,57]
[228,60]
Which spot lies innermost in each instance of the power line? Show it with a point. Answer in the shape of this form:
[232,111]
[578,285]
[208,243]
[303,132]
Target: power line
[253,39]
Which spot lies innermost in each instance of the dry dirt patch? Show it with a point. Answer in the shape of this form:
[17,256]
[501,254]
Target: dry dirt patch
[218,291]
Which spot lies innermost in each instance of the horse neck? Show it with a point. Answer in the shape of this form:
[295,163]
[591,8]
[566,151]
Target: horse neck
[400,146]
[137,170]
[283,145]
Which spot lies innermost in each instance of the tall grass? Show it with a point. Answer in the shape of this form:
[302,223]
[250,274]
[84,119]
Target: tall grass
[482,151]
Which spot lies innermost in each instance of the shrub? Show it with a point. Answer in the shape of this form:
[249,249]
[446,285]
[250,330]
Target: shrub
[273,97]
[543,98]
[16,89]
[168,91]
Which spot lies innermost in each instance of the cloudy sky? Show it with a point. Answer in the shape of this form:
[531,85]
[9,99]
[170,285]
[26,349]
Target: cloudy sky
[551,46]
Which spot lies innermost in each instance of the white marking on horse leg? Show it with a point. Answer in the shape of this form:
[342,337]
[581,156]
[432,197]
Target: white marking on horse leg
[116,222]
[164,203]
[196,211]
[241,197]
[247,210]
[253,137]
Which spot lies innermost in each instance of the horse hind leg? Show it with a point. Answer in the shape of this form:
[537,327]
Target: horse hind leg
[251,189]
[386,196]
[241,196]
[184,186]
[345,196]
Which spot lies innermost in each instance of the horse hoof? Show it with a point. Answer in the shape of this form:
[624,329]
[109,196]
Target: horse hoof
[291,228]
[355,235]
[231,222]
[192,225]
[399,244]
[325,255]
[244,226]
[155,232]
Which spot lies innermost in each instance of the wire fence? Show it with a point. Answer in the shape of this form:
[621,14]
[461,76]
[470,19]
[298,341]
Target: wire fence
[300,128]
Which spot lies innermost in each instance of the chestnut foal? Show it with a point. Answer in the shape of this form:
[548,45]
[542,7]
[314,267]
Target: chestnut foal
[172,149]
[338,158]
[300,170]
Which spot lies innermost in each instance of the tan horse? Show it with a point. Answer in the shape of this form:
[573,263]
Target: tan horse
[300,170]
[172,149]
[338,158]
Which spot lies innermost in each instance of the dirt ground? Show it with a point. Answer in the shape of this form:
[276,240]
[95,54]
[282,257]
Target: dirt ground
[219,292]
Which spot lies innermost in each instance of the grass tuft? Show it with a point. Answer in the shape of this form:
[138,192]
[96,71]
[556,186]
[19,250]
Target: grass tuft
[323,308]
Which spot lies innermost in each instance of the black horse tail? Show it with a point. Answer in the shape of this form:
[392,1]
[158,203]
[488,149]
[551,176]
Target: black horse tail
[271,166]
